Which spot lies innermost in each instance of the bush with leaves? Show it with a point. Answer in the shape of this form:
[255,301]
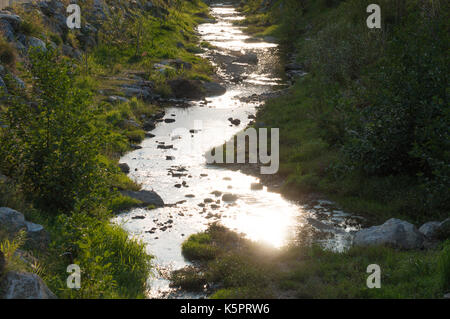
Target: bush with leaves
[50,145]
[404,129]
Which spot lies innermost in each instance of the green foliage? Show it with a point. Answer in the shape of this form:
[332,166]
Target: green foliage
[373,109]
[405,128]
[7,53]
[51,145]
[9,248]
[444,266]
[188,278]
[29,28]
[250,270]
[197,247]
[112,265]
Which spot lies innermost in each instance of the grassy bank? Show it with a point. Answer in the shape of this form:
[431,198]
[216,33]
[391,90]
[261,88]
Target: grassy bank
[368,125]
[60,152]
[238,268]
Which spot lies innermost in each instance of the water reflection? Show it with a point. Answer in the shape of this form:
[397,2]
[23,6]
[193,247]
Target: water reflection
[188,181]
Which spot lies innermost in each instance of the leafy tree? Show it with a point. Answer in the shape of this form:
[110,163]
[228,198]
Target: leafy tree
[50,145]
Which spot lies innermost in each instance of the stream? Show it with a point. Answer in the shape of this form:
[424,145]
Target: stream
[260,215]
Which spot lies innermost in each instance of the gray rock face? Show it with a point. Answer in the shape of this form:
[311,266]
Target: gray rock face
[33,42]
[130,91]
[12,19]
[117,99]
[18,285]
[13,221]
[7,30]
[146,197]
[430,229]
[394,232]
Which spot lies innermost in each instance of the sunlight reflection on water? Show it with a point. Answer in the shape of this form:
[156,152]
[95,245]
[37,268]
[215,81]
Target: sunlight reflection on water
[260,215]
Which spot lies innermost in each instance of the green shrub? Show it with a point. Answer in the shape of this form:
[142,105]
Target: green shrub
[188,278]
[7,54]
[112,265]
[52,148]
[444,266]
[198,247]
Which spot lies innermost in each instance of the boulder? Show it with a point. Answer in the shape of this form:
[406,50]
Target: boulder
[117,99]
[33,42]
[146,197]
[7,30]
[229,197]
[21,285]
[185,88]
[124,168]
[14,221]
[12,19]
[394,232]
[130,91]
[429,230]
[11,220]
[149,125]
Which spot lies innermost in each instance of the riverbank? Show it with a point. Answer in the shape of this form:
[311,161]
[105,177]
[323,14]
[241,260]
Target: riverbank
[327,144]
[231,266]
[122,68]
[343,140]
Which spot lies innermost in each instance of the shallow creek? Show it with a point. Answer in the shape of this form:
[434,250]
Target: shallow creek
[260,215]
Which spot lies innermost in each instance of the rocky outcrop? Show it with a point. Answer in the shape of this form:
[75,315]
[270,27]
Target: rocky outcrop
[429,229]
[394,232]
[13,221]
[21,285]
[185,88]
[146,197]
[436,230]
